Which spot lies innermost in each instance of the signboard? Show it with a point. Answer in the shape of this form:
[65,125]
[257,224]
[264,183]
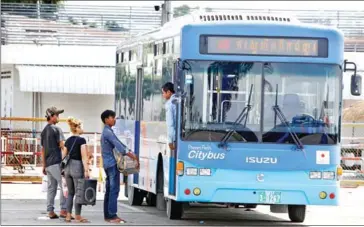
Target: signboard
[264,46]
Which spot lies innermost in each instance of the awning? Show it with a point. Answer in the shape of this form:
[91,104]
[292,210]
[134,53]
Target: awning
[65,79]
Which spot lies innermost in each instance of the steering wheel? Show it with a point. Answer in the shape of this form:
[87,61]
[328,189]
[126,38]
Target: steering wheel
[303,119]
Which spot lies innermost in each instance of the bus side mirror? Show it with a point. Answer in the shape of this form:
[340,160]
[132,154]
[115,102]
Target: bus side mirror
[355,85]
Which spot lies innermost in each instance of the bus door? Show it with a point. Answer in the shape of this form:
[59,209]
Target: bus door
[177,81]
[221,94]
[138,103]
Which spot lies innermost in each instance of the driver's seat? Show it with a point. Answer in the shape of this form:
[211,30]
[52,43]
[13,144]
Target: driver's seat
[292,104]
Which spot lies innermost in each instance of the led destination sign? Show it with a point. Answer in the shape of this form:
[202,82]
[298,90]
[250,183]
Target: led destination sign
[266,46]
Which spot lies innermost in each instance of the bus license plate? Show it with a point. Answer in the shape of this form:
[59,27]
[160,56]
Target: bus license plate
[270,197]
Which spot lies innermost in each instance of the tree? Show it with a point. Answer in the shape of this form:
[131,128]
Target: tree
[114,26]
[181,11]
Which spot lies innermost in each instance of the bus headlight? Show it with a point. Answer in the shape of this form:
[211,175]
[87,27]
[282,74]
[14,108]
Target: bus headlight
[205,172]
[315,175]
[328,175]
[191,171]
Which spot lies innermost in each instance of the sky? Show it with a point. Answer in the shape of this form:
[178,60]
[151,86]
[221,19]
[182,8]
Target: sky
[321,5]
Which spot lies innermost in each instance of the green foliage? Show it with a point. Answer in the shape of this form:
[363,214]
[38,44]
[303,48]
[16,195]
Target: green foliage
[113,26]
[181,11]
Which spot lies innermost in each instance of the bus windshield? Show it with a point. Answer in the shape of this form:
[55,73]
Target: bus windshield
[307,94]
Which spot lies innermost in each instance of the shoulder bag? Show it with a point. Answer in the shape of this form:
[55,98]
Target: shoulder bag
[66,159]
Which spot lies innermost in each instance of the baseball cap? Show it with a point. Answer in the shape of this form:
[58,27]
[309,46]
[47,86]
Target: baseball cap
[52,111]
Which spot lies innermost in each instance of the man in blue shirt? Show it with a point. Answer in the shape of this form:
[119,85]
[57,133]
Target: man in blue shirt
[109,141]
[171,113]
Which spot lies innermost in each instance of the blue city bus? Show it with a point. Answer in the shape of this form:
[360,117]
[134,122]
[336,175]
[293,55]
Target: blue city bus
[259,101]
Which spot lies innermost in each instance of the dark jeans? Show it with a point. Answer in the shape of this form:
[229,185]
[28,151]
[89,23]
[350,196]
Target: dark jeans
[73,172]
[112,192]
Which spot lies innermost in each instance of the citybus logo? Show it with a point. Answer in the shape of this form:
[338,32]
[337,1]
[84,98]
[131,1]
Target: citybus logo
[204,153]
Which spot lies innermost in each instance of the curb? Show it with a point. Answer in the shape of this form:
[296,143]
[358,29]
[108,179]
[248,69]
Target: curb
[351,183]
[20,182]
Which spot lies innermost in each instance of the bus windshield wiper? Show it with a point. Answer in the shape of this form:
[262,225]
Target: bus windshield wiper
[278,113]
[242,116]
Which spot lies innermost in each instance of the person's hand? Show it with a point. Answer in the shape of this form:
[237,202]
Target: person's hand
[138,164]
[171,146]
[44,171]
[87,174]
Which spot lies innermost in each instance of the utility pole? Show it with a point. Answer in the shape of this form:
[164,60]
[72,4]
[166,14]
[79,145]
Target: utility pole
[166,11]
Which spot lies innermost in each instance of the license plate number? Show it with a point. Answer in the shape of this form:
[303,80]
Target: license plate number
[270,197]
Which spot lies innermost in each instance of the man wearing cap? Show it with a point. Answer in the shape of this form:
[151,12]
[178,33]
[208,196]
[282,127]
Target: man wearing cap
[52,142]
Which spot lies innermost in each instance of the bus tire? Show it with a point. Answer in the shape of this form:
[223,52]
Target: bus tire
[135,196]
[160,200]
[174,209]
[126,190]
[151,199]
[297,213]
[126,186]
[250,206]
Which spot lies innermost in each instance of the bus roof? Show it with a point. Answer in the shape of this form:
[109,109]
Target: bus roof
[173,27]
[199,19]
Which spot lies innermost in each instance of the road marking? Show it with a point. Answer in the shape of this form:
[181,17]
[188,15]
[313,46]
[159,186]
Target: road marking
[130,207]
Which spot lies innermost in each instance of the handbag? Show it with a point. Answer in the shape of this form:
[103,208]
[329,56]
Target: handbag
[66,159]
[125,164]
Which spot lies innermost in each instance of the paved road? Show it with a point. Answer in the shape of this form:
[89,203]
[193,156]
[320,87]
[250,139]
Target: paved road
[17,210]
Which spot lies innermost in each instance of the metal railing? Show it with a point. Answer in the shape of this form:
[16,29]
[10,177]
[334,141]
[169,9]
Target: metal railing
[74,25]
[108,25]
[352,152]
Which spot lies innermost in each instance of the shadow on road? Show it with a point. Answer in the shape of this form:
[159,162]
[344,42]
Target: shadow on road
[32,212]
[215,216]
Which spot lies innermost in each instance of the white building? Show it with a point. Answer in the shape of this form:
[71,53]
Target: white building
[79,79]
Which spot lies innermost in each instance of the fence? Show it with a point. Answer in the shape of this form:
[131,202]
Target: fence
[74,25]
[21,149]
[352,155]
[108,25]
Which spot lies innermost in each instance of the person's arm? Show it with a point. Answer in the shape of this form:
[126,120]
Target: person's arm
[171,124]
[43,154]
[61,140]
[64,152]
[118,145]
[84,155]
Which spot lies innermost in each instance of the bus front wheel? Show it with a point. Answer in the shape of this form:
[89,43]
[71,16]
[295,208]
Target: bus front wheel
[174,209]
[297,213]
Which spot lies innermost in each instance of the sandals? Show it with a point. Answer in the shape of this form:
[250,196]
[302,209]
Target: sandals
[69,220]
[53,216]
[116,221]
[82,220]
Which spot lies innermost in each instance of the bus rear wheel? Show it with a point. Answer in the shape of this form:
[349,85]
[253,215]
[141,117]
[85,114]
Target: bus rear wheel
[250,206]
[160,200]
[125,186]
[297,213]
[135,196]
[151,199]
[174,209]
